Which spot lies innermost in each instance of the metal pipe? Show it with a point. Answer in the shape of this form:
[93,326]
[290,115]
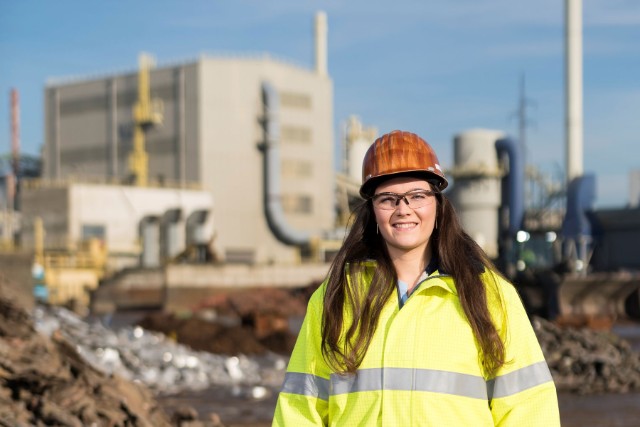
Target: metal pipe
[513,187]
[573,86]
[271,156]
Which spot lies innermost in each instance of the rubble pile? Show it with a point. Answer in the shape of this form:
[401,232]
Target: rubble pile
[44,381]
[586,361]
[160,363]
[251,322]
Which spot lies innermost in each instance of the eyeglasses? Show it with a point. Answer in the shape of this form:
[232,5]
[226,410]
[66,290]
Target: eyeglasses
[414,199]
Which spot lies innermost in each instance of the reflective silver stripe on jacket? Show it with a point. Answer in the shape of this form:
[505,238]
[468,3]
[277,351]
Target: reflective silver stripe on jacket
[306,385]
[408,379]
[517,381]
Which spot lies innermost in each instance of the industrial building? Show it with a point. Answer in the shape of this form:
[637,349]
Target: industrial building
[255,132]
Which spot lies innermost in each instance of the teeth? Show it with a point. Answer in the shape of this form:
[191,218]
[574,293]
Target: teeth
[404,225]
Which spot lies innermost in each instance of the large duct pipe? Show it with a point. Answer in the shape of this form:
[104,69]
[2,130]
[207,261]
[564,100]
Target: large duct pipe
[271,151]
[171,234]
[513,185]
[321,43]
[576,228]
[198,236]
[573,87]
[149,229]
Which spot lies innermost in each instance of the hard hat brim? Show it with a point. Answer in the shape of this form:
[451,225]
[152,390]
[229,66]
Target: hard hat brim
[368,188]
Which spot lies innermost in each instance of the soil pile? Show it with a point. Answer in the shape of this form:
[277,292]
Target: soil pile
[251,322]
[588,361]
[45,382]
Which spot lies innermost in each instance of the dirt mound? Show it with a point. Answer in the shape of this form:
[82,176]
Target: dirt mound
[247,322]
[204,335]
[45,382]
[588,361]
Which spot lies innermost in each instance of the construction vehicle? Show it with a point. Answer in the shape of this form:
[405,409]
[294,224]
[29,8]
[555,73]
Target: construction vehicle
[596,280]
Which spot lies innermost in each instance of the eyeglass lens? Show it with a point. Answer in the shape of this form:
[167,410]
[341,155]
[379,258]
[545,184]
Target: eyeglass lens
[414,199]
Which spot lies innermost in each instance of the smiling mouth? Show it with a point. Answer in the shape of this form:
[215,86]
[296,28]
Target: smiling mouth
[405,226]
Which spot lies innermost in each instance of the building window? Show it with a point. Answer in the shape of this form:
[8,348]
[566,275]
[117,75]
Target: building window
[297,204]
[295,134]
[92,231]
[296,168]
[239,256]
[295,100]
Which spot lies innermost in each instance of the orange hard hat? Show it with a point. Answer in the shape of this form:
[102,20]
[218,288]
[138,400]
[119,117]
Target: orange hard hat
[400,153]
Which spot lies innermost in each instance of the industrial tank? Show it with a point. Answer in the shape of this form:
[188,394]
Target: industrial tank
[477,191]
[359,139]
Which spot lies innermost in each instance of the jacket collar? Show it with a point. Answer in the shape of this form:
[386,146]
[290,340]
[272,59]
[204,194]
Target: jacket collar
[439,278]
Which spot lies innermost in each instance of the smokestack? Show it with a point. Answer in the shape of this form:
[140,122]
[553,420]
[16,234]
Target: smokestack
[15,132]
[573,86]
[321,43]
[12,178]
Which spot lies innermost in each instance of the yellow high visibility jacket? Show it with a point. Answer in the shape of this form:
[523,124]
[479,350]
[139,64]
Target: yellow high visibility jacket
[422,367]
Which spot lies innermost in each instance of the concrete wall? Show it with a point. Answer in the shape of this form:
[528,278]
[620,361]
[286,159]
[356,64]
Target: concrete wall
[183,287]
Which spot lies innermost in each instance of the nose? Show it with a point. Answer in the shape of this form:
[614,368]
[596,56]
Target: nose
[402,206]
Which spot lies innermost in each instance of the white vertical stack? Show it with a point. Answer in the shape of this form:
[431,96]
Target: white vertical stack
[573,85]
[477,186]
[321,43]
[359,139]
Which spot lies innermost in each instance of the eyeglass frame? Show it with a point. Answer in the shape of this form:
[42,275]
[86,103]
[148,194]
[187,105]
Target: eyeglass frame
[403,196]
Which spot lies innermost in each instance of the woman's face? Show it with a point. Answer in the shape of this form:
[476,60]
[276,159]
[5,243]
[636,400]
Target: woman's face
[405,228]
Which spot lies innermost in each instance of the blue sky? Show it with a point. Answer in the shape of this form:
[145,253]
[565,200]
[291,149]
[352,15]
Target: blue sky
[436,68]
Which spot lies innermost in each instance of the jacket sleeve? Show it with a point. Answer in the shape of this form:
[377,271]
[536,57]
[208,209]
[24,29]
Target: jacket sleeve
[303,400]
[523,393]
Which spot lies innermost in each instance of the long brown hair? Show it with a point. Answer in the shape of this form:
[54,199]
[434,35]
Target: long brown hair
[344,343]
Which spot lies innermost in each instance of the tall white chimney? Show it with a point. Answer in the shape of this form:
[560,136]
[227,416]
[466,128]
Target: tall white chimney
[573,87]
[321,43]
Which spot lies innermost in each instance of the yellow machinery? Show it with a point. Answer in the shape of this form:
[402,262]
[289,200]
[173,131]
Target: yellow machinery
[68,275]
[146,113]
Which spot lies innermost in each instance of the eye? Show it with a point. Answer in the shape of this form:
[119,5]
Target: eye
[387,199]
[419,195]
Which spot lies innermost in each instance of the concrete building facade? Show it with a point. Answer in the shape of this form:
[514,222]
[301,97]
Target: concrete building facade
[212,135]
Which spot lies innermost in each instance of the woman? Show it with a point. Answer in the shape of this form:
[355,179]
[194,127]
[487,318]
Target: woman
[413,325]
